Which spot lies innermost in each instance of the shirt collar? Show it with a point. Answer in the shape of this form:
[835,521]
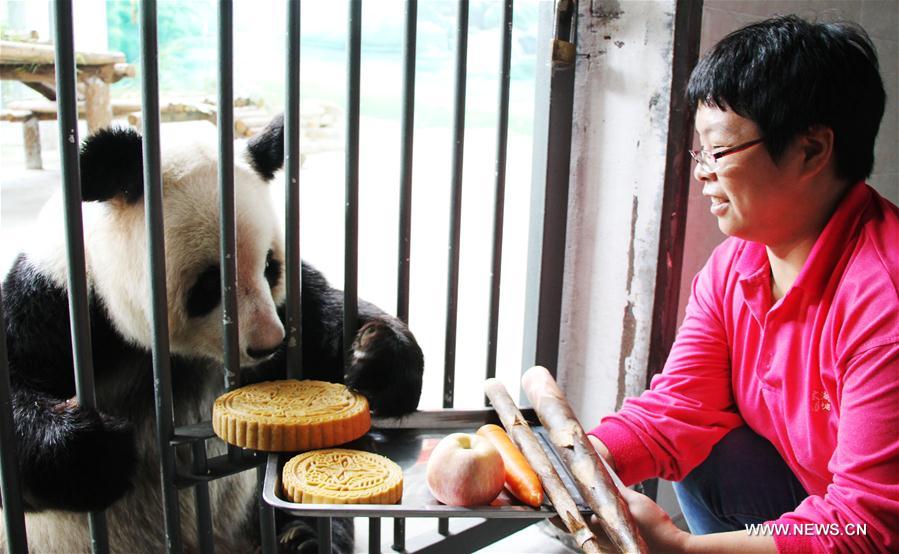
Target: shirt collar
[830,246]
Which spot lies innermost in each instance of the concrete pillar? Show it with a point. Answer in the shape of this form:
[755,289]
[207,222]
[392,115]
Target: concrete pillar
[622,94]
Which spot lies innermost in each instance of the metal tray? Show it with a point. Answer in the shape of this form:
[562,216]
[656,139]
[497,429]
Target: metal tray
[408,442]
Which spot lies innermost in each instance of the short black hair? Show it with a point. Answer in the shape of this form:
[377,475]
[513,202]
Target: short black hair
[787,74]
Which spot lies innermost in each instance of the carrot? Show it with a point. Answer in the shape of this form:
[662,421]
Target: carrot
[521,480]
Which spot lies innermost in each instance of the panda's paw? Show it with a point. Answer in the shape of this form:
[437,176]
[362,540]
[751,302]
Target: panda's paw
[300,536]
[85,463]
[386,366]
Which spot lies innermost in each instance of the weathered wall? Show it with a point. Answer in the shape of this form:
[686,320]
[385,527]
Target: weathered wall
[618,161]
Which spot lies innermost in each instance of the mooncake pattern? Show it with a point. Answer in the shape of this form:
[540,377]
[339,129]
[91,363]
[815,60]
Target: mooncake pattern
[342,476]
[290,415]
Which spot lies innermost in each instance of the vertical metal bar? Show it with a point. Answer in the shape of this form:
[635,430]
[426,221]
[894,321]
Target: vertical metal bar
[228,233]
[538,186]
[201,493]
[408,127]
[266,516]
[555,214]
[399,534]
[293,275]
[443,526]
[452,293]
[324,535]
[10,486]
[226,195]
[687,28]
[162,371]
[351,218]
[374,535]
[502,135]
[79,315]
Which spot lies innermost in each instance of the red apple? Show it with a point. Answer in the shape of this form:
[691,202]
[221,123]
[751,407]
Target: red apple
[465,470]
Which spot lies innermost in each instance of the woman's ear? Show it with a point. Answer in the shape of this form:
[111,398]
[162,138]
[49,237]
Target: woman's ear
[816,146]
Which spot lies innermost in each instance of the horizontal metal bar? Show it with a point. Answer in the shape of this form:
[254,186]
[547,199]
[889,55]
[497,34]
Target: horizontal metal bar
[192,433]
[221,466]
[473,538]
[445,419]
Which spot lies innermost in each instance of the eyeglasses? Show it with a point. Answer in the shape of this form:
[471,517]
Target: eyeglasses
[708,161]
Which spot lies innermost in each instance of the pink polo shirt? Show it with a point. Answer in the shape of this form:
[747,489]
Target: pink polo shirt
[816,373]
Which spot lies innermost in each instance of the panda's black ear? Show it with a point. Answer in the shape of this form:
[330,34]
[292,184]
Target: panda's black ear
[111,166]
[266,150]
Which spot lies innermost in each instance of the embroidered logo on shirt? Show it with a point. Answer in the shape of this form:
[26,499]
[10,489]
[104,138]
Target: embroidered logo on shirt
[820,401]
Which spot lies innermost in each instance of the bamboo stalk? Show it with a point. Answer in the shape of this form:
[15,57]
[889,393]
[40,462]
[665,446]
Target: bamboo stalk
[577,453]
[526,440]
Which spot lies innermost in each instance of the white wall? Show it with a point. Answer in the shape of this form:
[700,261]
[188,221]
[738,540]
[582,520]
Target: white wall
[618,162]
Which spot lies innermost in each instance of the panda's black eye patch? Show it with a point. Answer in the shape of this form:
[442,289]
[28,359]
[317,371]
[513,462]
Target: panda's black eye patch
[272,269]
[206,293]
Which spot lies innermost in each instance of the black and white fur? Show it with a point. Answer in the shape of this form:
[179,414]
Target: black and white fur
[74,459]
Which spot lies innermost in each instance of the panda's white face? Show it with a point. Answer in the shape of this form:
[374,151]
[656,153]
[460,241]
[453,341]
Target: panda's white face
[117,258]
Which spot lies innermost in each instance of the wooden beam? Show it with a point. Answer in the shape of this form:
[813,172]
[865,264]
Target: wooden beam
[32,53]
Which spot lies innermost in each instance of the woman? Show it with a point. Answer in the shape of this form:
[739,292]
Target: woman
[779,402]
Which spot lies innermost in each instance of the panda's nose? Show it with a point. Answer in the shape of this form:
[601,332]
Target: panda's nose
[259,353]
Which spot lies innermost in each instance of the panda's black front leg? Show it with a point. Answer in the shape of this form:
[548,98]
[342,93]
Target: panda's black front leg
[70,457]
[385,362]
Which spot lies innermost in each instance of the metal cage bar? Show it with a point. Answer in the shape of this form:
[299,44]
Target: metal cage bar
[204,470]
[293,320]
[502,136]
[374,534]
[452,292]
[205,534]
[10,486]
[555,213]
[351,215]
[228,236]
[407,125]
[162,371]
[268,536]
[77,279]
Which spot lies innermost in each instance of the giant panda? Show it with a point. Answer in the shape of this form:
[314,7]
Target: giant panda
[74,459]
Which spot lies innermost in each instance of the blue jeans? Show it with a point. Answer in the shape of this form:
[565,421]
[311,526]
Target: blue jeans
[744,480]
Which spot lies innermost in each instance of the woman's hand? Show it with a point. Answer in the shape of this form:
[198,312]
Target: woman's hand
[656,527]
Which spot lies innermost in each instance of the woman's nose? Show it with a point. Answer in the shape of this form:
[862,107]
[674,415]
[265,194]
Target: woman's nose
[701,174]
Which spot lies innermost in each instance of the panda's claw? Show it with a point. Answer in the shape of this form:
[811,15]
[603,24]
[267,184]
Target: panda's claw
[386,366]
[81,461]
